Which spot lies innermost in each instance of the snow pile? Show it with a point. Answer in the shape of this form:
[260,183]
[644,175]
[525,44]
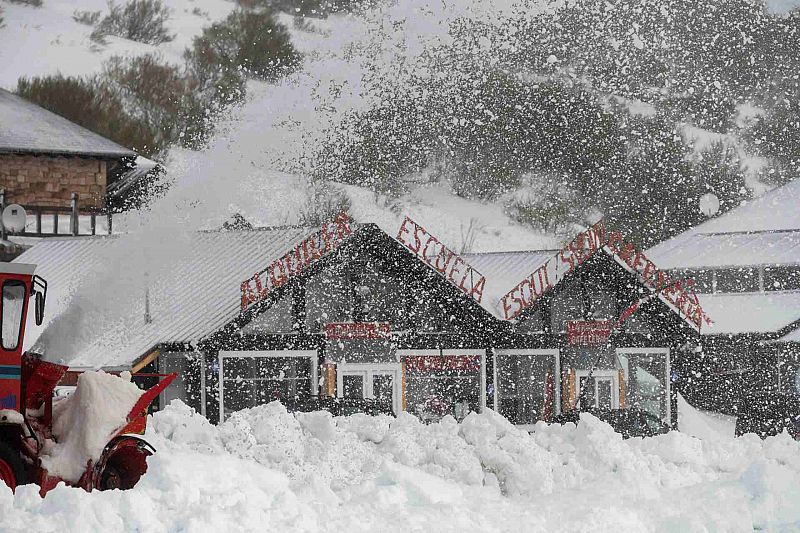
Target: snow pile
[84,421]
[702,424]
[267,469]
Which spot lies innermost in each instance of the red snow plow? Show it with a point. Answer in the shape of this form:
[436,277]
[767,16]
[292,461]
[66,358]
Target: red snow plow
[27,408]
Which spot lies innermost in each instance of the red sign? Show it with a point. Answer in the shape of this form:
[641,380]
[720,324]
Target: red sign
[360,330]
[588,332]
[677,294]
[432,363]
[295,261]
[440,258]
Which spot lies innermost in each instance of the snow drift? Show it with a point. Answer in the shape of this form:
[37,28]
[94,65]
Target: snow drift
[267,469]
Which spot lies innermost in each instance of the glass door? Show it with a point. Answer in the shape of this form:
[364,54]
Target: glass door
[600,391]
[378,382]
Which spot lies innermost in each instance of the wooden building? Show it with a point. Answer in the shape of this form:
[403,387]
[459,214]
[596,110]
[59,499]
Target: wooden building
[353,311]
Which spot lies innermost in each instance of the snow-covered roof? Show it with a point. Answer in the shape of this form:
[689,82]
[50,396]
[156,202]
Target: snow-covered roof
[503,271]
[756,312]
[794,336]
[28,128]
[97,290]
[139,168]
[193,288]
[729,249]
[765,230]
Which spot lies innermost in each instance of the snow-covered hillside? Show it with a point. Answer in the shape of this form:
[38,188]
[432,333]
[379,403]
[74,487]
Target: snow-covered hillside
[266,470]
[44,40]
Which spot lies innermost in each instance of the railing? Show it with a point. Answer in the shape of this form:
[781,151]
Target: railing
[47,221]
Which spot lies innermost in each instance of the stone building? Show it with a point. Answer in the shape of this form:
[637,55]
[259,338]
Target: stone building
[44,158]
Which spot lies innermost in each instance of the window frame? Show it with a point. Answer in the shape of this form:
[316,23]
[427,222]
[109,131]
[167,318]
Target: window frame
[21,325]
[310,354]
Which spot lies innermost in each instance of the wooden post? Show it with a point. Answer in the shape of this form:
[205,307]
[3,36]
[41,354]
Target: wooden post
[38,221]
[73,218]
[55,223]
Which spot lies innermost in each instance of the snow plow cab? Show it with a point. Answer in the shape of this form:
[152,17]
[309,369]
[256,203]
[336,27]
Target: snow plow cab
[90,441]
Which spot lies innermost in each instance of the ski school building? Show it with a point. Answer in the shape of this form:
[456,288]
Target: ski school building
[349,310]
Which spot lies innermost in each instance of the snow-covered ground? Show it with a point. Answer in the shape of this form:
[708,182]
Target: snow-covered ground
[265,469]
[39,41]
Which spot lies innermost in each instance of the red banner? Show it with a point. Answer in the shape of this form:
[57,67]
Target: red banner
[588,332]
[432,363]
[358,330]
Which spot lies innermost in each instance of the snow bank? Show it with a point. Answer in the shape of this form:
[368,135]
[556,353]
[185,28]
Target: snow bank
[702,424]
[84,421]
[267,469]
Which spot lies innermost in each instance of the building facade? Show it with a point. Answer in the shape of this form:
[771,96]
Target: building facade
[350,310]
[44,158]
[746,270]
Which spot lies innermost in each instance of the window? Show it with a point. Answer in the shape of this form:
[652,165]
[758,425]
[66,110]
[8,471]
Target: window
[782,278]
[602,304]
[646,373]
[276,319]
[526,385]
[13,305]
[743,279]
[438,383]
[328,299]
[254,378]
[703,280]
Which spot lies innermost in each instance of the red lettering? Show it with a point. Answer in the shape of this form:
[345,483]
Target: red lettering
[467,274]
[342,222]
[535,292]
[477,289]
[649,270]
[247,294]
[277,279]
[626,253]
[569,260]
[637,260]
[543,274]
[661,280]
[419,234]
[326,239]
[615,241]
[599,231]
[404,230]
[445,252]
[455,269]
[425,254]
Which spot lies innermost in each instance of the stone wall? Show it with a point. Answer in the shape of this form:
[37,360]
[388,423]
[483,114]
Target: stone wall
[50,181]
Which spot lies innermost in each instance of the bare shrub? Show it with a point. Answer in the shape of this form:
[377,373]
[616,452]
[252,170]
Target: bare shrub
[32,3]
[249,41]
[90,18]
[89,103]
[139,20]
[163,96]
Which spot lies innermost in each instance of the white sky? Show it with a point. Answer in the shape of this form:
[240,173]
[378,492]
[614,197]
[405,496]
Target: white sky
[782,6]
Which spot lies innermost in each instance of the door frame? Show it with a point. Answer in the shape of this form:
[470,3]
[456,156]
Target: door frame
[311,354]
[555,353]
[370,369]
[600,373]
